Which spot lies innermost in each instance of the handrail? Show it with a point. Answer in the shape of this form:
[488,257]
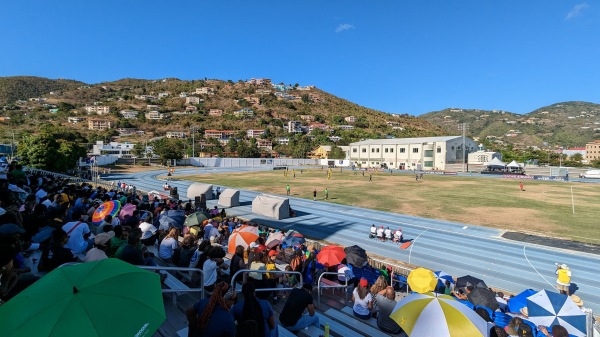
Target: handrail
[300,283]
[319,287]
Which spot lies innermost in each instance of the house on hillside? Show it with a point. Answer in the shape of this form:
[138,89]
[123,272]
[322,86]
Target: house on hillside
[99,124]
[176,134]
[350,119]
[294,127]
[254,133]
[97,109]
[215,112]
[323,152]
[205,91]
[219,134]
[193,100]
[156,115]
[75,120]
[129,114]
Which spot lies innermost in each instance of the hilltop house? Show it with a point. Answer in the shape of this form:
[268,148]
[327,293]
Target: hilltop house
[98,109]
[129,114]
[99,124]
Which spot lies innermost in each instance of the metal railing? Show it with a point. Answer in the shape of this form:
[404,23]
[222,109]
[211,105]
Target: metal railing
[241,271]
[331,286]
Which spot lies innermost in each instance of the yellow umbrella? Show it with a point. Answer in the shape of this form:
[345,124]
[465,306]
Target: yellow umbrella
[422,280]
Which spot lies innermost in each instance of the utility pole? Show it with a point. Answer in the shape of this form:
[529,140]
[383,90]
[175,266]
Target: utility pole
[463,127]
[193,132]
[12,147]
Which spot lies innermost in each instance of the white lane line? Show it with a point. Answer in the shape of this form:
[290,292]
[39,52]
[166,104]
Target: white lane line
[525,254]
[413,244]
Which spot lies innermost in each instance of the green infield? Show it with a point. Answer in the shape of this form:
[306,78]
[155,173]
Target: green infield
[556,209]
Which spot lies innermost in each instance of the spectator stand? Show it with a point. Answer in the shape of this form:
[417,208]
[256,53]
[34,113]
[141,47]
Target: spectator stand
[324,283]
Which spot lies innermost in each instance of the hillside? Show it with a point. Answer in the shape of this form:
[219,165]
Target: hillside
[203,104]
[567,124]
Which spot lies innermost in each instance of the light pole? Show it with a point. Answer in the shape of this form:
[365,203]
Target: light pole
[193,132]
[463,127]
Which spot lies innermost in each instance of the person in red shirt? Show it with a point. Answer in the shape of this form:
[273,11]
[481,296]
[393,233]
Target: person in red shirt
[261,244]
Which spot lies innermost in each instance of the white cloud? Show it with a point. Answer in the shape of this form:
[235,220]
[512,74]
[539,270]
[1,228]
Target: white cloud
[342,27]
[577,11]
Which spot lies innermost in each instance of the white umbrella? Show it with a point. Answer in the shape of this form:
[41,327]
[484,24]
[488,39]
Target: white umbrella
[548,308]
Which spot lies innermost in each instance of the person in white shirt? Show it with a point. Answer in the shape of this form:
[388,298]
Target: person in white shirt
[363,300]
[373,232]
[79,233]
[380,234]
[388,234]
[398,235]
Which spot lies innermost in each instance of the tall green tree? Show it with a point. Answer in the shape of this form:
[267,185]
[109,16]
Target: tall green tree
[168,148]
[54,149]
[337,153]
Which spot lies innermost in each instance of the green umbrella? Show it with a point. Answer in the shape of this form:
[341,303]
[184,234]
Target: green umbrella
[195,219]
[101,298]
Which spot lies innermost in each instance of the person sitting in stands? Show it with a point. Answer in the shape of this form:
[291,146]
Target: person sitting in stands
[131,252]
[373,233]
[380,234]
[460,294]
[513,326]
[557,331]
[56,255]
[210,317]
[363,301]
[345,273]
[291,316]
[167,247]
[386,300]
[101,245]
[253,313]
[212,266]
[379,285]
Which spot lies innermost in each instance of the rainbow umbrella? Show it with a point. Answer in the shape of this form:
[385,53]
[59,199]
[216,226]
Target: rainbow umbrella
[111,208]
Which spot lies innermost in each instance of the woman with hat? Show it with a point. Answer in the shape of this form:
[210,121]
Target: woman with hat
[563,279]
[363,300]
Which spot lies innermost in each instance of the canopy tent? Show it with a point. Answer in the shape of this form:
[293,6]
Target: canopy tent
[229,198]
[513,164]
[496,163]
[197,189]
[271,206]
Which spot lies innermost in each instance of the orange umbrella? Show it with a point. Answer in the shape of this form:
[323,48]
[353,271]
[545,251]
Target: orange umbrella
[331,255]
[242,236]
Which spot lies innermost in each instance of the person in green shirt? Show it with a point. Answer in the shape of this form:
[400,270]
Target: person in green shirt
[287,189]
[326,194]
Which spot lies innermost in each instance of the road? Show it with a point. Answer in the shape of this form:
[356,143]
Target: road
[458,249]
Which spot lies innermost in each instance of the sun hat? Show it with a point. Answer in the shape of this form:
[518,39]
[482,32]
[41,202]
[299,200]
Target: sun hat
[364,282]
[577,300]
[564,266]
[524,311]
[103,238]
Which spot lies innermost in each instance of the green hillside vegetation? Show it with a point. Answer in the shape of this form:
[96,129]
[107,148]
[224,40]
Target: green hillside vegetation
[24,87]
[568,124]
[270,112]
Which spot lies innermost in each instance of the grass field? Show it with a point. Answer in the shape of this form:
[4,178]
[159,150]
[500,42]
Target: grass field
[544,208]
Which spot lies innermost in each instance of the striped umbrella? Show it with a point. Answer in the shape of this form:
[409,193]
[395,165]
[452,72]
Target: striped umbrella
[425,315]
[107,208]
[442,277]
[274,239]
[242,236]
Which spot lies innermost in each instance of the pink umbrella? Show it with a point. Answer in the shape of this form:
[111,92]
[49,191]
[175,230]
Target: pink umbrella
[274,239]
[127,210]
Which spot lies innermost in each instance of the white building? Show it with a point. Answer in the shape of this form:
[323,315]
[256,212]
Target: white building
[192,100]
[254,133]
[98,109]
[427,153]
[176,134]
[294,127]
[121,150]
[129,114]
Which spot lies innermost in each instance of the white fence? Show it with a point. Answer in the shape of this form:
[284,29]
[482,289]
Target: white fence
[246,162]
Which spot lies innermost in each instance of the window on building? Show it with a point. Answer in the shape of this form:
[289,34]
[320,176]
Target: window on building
[428,153]
[364,151]
[415,150]
[372,150]
[354,150]
[377,150]
[386,150]
[439,150]
[392,150]
[452,148]
[428,163]
[402,150]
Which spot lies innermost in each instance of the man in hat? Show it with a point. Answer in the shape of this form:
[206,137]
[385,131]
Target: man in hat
[563,279]
[101,244]
[292,317]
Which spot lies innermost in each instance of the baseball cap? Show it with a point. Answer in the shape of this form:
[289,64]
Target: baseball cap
[363,282]
[273,253]
[103,238]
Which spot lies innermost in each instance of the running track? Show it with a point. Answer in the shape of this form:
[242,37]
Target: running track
[458,249]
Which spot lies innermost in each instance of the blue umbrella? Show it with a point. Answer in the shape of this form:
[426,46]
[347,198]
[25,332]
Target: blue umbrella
[519,301]
[442,278]
[294,241]
[549,308]
[172,218]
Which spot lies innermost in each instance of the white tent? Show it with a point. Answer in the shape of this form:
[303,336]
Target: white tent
[229,198]
[196,189]
[496,162]
[271,206]
[513,164]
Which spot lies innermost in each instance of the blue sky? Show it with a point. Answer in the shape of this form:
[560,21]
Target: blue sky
[397,56]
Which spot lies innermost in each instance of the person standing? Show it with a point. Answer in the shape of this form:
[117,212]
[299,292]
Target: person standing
[521,186]
[370,178]
[287,189]
[563,280]
[292,317]
[326,194]
[315,194]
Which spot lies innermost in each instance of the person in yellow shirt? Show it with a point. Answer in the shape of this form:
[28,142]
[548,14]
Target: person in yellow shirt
[563,280]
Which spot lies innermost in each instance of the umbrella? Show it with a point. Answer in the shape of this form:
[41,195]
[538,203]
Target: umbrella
[425,315]
[465,281]
[127,210]
[548,308]
[483,297]
[195,219]
[80,300]
[107,208]
[274,239]
[171,218]
[294,240]
[242,236]
[356,256]
[442,277]
[421,280]
[331,255]
[519,301]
